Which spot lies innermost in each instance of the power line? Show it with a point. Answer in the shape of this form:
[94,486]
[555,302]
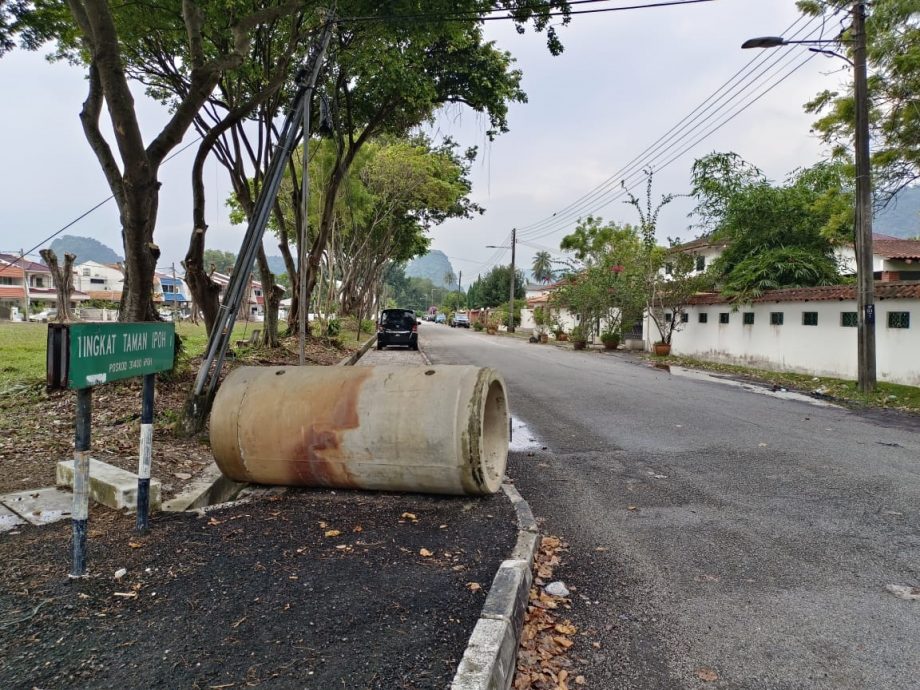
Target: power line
[478,16]
[661,166]
[642,160]
[100,204]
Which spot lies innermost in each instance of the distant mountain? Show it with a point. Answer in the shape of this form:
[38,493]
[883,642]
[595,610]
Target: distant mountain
[85,249]
[434,265]
[902,216]
[276,264]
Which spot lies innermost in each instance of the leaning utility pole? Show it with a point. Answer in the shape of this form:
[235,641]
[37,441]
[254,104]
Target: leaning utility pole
[865,271]
[511,298]
[305,198]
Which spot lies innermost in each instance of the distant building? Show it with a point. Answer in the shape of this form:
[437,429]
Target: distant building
[99,281]
[26,284]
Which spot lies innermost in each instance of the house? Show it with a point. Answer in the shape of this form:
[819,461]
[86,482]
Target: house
[171,292]
[893,258]
[99,281]
[806,330]
[253,304]
[29,286]
[705,250]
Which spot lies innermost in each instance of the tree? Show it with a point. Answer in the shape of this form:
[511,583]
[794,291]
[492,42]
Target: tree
[108,39]
[390,76]
[778,235]
[605,281]
[893,54]
[217,260]
[492,289]
[542,267]
[62,278]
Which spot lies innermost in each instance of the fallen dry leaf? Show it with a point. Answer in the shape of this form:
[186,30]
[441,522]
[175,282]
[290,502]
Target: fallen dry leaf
[332,533]
[579,680]
[408,516]
[425,553]
[473,586]
[135,544]
[214,521]
[566,628]
[707,675]
[631,508]
[359,528]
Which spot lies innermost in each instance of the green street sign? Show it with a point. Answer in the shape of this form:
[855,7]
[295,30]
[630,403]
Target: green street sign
[82,355]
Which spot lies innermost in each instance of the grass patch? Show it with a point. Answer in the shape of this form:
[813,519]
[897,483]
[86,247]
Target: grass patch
[22,353]
[887,395]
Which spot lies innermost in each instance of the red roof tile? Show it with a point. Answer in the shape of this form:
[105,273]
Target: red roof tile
[827,293]
[896,248]
[12,292]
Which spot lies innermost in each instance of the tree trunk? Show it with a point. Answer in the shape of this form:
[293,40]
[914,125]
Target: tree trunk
[63,282]
[270,300]
[205,292]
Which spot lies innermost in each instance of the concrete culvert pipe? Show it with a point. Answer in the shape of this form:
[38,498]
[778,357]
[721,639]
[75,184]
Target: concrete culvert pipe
[436,429]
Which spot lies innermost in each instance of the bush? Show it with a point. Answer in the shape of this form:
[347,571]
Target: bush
[477,325]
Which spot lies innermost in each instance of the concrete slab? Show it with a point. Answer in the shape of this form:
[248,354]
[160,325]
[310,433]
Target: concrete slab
[40,506]
[109,485]
[9,520]
[208,488]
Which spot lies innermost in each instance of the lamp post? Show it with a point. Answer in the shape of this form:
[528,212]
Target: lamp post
[511,298]
[865,284]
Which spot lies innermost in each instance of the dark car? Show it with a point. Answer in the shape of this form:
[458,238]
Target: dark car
[397,327]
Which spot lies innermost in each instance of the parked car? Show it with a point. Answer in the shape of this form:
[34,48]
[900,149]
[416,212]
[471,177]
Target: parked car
[44,316]
[440,318]
[460,320]
[397,327]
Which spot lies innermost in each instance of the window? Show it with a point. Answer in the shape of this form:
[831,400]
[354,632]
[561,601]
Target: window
[668,269]
[809,318]
[748,318]
[684,317]
[668,317]
[700,263]
[86,273]
[6,280]
[848,319]
[101,281]
[172,288]
[899,319]
[704,317]
[723,317]
[258,293]
[776,318]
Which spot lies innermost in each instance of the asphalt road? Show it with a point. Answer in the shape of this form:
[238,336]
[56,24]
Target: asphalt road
[715,533]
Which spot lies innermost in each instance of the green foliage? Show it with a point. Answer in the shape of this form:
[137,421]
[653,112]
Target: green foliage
[776,235]
[453,301]
[542,268]
[893,54]
[223,262]
[492,289]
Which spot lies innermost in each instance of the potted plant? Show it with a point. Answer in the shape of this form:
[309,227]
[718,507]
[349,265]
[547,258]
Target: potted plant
[579,337]
[611,339]
[662,349]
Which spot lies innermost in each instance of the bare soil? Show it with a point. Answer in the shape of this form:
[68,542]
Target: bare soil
[36,428]
[310,589]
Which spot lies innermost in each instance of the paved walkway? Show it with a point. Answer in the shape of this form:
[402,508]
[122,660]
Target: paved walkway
[398,356]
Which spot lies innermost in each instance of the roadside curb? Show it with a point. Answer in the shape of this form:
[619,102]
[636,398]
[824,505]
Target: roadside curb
[489,659]
[355,356]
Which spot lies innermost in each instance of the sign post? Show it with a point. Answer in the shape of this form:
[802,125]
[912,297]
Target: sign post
[81,356]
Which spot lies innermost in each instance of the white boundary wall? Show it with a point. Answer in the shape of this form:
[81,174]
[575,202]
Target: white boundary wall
[828,349]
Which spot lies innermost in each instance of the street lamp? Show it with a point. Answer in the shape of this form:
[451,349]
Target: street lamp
[865,290]
[511,298]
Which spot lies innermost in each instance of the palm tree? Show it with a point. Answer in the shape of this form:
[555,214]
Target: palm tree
[542,268]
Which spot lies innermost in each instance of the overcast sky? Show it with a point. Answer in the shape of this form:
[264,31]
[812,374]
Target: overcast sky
[624,80]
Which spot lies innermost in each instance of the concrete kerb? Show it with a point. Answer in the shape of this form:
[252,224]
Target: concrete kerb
[491,654]
[212,488]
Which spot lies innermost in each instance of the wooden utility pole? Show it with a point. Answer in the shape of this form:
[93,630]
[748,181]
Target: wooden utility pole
[511,298]
[865,271]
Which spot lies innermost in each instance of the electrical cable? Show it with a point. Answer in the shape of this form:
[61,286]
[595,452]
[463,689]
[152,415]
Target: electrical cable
[478,16]
[641,160]
[705,135]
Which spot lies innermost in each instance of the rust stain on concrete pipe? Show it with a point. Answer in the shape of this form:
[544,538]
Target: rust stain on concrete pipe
[316,457]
